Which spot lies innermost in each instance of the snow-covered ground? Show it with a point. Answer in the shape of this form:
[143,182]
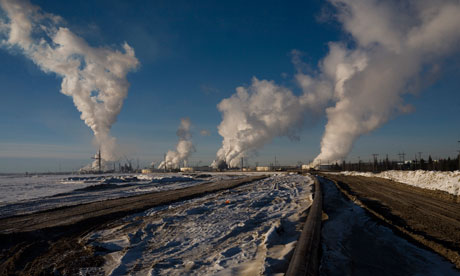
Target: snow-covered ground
[20,194]
[433,180]
[249,230]
[19,187]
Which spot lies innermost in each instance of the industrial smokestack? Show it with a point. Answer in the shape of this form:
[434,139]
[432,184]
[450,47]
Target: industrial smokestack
[184,147]
[95,78]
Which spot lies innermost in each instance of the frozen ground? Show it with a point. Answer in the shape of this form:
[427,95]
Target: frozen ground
[353,243]
[250,230]
[433,180]
[24,194]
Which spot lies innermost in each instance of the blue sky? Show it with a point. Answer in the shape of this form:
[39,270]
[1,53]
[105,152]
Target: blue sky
[192,55]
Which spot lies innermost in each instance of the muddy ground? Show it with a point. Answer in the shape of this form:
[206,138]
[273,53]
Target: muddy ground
[427,217]
[48,242]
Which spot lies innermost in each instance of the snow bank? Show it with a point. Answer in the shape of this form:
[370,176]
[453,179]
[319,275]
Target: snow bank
[433,180]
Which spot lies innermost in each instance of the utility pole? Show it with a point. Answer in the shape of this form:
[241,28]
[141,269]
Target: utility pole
[420,159]
[242,163]
[99,161]
[458,157]
[386,162]
[402,155]
[275,164]
[375,155]
[359,163]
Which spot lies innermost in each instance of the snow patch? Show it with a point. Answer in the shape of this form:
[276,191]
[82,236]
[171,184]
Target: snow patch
[433,180]
[248,230]
[25,194]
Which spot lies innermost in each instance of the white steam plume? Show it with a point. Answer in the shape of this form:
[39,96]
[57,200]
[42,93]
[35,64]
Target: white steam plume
[401,42]
[253,116]
[95,78]
[395,44]
[184,147]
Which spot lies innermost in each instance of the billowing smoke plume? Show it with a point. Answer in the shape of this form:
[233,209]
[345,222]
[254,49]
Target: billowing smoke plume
[184,148]
[395,47]
[253,116]
[400,44]
[95,78]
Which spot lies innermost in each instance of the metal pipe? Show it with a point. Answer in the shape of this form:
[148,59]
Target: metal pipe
[305,260]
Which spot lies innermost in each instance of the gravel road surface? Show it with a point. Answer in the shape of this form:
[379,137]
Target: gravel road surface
[430,218]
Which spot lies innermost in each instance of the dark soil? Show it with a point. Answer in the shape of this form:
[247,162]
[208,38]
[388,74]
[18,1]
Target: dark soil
[48,243]
[430,218]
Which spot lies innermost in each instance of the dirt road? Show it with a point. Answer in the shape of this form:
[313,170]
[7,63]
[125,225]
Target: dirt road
[49,241]
[431,218]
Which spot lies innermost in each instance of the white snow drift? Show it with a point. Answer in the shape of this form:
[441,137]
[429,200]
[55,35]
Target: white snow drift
[433,180]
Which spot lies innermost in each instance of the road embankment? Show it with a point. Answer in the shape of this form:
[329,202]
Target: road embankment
[430,218]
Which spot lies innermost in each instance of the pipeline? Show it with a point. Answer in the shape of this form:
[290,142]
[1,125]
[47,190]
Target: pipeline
[305,260]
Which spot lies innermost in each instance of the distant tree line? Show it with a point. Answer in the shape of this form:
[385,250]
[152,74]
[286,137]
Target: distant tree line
[386,164]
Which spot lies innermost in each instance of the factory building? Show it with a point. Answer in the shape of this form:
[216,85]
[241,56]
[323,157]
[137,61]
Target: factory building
[186,169]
